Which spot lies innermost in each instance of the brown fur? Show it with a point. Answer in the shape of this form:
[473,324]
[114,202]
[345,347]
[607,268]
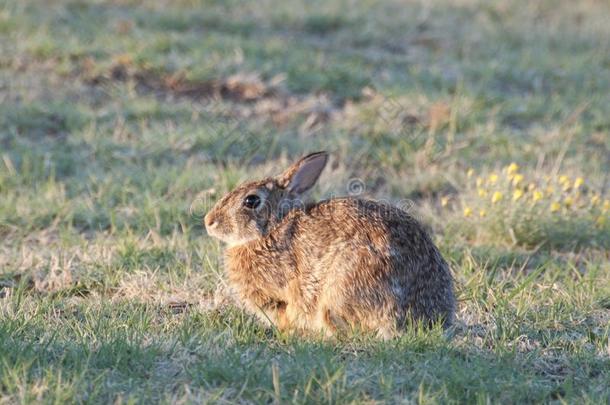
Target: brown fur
[332,266]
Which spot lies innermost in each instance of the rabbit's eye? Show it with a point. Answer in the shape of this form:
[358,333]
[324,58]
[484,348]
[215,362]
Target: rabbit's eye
[252,201]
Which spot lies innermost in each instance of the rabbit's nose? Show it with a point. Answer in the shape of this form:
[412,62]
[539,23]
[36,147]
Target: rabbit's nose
[210,221]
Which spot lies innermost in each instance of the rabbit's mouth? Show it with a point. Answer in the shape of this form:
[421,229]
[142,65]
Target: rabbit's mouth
[212,226]
[212,232]
[230,240]
[216,231]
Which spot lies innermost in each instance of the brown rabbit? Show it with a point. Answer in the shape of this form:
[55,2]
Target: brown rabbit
[339,264]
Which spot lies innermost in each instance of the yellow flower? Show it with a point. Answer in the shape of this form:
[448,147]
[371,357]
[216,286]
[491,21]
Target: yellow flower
[479,181]
[444,201]
[601,221]
[568,201]
[470,172]
[497,196]
[518,193]
[555,206]
[537,195]
[482,213]
[578,182]
[565,183]
[482,192]
[550,189]
[531,186]
[493,178]
[517,179]
[512,168]
[606,206]
[595,199]
[467,212]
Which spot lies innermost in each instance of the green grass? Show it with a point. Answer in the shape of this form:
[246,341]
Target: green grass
[122,121]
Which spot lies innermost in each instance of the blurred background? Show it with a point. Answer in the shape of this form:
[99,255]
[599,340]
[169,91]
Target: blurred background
[122,121]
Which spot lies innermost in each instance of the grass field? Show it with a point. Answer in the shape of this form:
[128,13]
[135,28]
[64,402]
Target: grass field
[121,121]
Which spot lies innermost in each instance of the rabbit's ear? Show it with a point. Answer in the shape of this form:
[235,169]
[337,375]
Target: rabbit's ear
[302,175]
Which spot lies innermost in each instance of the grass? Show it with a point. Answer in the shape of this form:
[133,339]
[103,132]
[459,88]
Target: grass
[122,121]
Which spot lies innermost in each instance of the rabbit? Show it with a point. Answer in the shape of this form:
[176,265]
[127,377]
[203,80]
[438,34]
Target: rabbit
[332,266]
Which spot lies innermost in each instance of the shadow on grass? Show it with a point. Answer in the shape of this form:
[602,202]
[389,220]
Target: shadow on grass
[143,352]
